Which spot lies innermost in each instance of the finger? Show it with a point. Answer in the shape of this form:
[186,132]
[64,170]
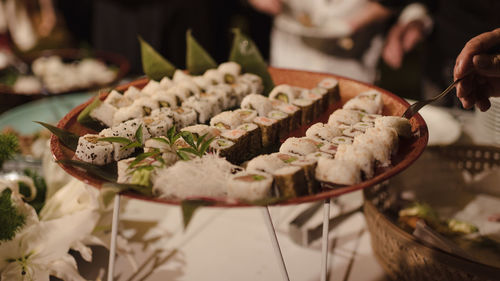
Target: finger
[468,102]
[483,104]
[477,45]
[488,65]
[464,87]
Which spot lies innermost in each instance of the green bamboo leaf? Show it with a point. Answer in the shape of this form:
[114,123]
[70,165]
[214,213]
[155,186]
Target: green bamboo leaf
[139,158]
[200,140]
[245,52]
[138,134]
[188,137]
[68,139]
[116,139]
[106,173]
[84,116]
[154,65]
[171,133]
[189,150]
[165,141]
[197,59]
[205,145]
[183,155]
[132,145]
[189,207]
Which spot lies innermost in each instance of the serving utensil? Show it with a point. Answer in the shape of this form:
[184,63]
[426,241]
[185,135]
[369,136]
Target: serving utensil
[415,107]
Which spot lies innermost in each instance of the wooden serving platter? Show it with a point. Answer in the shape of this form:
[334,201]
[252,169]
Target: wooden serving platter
[409,149]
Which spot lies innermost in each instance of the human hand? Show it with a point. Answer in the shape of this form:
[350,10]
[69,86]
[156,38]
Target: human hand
[484,82]
[271,7]
[401,39]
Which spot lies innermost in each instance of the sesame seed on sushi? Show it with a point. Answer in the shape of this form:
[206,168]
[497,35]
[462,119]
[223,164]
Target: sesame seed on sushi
[159,123]
[204,108]
[249,186]
[127,130]
[91,150]
[184,116]
[127,113]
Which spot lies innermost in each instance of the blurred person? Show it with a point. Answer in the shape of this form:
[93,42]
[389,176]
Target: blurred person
[348,47]
[475,59]
[454,23]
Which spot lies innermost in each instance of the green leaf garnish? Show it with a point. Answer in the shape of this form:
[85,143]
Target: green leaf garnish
[245,52]
[154,65]
[68,139]
[188,137]
[204,146]
[189,207]
[84,116]
[183,155]
[138,134]
[133,144]
[11,219]
[197,58]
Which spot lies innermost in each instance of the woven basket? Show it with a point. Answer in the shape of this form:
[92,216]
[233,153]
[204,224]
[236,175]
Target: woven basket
[402,255]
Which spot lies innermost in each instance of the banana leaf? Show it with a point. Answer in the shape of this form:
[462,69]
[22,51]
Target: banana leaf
[69,139]
[245,52]
[197,58]
[155,66]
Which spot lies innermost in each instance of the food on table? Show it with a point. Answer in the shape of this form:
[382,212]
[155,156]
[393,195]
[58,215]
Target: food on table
[182,118]
[56,76]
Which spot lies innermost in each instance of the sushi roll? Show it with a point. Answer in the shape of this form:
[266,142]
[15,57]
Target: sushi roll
[127,130]
[267,163]
[290,181]
[241,139]
[202,83]
[316,100]
[180,94]
[189,86]
[284,93]
[307,110]
[344,117]
[230,70]
[370,118]
[147,104]
[286,158]
[323,93]
[337,172]
[362,126]
[382,142]
[269,129]
[166,83]
[224,148]
[91,150]
[240,90]
[283,122]
[201,129]
[132,93]
[254,139]
[257,102]
[104,113]
[151,87]
[180,75]
[369,102]
[400,124]
[342,140]
[351,132]
[217,98]
[164,99]
[184,116]
[127,113]
[292,111]
[159,123]
[253,81]
[122,167]
[117,100]
[329,149]
[308,165]
[246,115]
[359,155]
[331,85]
[204,108]
[249,186]
[323,132]
[319,154]
[214,76]
[299,146]
[167,152]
